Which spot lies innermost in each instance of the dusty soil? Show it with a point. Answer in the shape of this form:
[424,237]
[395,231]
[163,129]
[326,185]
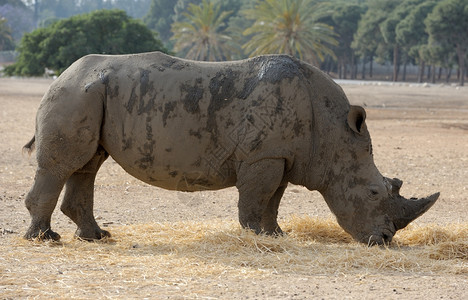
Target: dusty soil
[420,135]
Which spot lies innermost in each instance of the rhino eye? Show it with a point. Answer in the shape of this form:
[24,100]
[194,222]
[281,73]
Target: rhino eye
[373,193]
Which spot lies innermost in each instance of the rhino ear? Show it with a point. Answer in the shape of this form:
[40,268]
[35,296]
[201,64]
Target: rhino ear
[356,118]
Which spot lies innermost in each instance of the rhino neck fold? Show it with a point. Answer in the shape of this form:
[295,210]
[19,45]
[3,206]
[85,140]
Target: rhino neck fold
[321,160]
[316,165]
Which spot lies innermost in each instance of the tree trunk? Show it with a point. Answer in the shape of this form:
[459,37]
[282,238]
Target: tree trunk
[371,67]
[461,63]
[340,75]
[428,72]
[421,71]
[449,73]
[328,65]
[404,71]
[440,74]
[355,67]
[433,74]
[363,72]
[395,63]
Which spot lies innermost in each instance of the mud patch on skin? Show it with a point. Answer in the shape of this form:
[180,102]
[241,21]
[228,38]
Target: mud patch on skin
[131,101]
[145,92]
[275,69]
[272,70]
[298,128]
[196,134]
[158,67]
[127,143]
[169,63]
[257,142]
[223,91]
[113,92]
[193,95]
[144,82]
[142,108]
[179,65]
[168,108]
[147,151]
[249,86]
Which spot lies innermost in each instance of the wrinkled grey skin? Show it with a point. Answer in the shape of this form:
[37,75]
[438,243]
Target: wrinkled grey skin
[257,124]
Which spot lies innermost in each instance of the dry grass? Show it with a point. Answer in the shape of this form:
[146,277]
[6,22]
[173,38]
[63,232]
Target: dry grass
[140,258]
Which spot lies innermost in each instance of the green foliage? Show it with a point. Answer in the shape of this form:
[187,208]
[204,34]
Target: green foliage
[15,3]
[159,18]
[290,27]
[411,31]
[342,31]
[344,19]
[181,8]
[31,59]
[201,36]
[164,13]
[447,24]
[6,39]
[369,38]
[59,45]
[19,18]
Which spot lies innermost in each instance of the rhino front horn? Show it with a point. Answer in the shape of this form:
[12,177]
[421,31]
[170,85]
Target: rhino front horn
[410,209]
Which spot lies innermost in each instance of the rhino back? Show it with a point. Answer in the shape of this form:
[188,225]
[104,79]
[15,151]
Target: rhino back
[173,122]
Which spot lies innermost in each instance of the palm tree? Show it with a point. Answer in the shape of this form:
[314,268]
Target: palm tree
[201,35]
[290,27]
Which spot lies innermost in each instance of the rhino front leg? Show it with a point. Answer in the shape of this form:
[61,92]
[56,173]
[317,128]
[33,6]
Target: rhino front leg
[260,190]
[269,222]
[40,202]
[78,201]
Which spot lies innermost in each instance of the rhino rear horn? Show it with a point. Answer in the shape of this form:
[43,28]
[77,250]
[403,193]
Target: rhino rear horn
[410,209]
[356,118]
[396,185]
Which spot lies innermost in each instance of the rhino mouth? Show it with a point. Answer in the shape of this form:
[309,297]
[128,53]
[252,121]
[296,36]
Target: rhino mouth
[380,238]
[385,238]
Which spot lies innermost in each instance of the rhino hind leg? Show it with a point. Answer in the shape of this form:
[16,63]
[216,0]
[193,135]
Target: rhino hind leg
[40,202]
[260,190]
[78,200]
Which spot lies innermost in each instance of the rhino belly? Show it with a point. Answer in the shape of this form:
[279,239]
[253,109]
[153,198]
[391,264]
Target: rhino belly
[168,149]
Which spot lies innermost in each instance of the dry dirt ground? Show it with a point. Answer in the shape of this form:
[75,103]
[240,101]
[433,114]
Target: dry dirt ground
[420,135]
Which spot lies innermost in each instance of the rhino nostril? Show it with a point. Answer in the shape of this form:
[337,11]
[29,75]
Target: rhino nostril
[386,238]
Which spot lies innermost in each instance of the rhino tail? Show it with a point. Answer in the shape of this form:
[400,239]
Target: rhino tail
[29,147]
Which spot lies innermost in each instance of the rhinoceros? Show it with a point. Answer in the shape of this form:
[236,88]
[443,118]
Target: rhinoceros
[257,124]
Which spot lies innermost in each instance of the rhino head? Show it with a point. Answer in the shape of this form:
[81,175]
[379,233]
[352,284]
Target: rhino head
[367,205]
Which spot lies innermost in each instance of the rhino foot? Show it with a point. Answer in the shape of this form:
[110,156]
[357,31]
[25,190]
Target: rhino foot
[92,234]
[276,232]
[36,233]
